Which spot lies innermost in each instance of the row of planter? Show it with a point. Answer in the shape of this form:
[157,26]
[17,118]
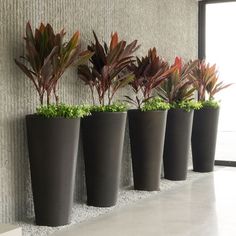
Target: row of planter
[53,145]
[155,132]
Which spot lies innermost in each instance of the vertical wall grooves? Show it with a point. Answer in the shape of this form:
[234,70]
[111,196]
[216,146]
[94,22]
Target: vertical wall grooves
[169,25]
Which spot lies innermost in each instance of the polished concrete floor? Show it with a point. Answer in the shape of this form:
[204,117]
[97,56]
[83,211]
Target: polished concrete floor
[205,207]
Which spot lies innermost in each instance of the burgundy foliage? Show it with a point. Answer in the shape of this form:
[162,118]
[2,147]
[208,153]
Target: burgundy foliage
[47,57]
[107,72]
[149,72]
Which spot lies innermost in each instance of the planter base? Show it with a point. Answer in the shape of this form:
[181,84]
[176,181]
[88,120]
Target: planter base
[205,124]
[147,134]
[103,137]
[53,145]
[177,143]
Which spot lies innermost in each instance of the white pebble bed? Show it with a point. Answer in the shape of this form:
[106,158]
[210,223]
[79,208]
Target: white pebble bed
[82,212]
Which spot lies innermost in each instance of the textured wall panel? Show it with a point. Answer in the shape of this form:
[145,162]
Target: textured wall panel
[170,25]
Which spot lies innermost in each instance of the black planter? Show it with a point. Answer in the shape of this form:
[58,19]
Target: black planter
[147,135]
[177,144]
[205,124]
[53,145]
[103,137]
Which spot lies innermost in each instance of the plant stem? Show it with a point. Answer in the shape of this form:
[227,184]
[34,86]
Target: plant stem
[92,93]
[41,99]
[55,95]
[108,96]
[48,99]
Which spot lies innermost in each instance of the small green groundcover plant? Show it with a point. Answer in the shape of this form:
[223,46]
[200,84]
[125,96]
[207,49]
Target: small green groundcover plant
[63,111]
[210,104]
[115,107]
[155,104]
[187,105]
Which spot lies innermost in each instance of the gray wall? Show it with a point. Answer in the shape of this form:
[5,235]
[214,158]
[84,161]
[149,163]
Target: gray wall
[170,25]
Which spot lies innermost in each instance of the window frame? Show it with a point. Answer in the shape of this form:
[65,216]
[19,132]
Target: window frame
[202,48]
[202,25]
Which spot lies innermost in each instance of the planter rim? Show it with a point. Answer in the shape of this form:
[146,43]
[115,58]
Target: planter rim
[108,112]
[180,110]
[36,116]
[208,108]
[139,110]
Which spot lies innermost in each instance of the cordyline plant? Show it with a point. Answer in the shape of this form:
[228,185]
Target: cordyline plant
[107,72]
[205,80]
[48,57]
[149,72]
[178,87]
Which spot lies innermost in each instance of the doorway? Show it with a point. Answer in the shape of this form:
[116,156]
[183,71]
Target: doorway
[217,44]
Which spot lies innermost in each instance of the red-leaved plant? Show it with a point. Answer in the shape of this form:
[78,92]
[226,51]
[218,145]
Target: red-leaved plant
[206,81]
[107,72]
[149,72]
[178,87]
[47,57]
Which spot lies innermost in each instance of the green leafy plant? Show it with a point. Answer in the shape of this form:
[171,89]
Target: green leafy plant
[115,107]
[155,104]
[63,110]
[47,57]
[206,82]
[178,87]
[149,72]
[107,72]
[210,103]
[187,105]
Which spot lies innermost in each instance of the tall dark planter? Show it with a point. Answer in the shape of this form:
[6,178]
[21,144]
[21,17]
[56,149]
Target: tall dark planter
[103,137]
[205,124]
[177,144]
[147,135]
[53,145]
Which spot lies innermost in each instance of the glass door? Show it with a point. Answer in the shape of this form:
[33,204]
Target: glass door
[220,49]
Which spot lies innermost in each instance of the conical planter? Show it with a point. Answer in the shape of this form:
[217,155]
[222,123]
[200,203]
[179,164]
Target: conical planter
[147,135]
[103,137]
[177,144]
[205,124]
[53,145]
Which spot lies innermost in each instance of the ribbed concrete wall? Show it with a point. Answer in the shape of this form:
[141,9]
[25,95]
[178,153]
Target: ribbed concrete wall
[170,25]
